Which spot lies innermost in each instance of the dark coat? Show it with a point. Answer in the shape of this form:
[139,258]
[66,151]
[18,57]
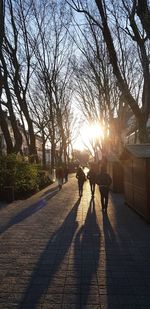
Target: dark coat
[80,176]
[92,176]
[104,180]
[59,172]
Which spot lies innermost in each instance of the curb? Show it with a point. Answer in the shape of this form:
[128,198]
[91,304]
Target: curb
[39,197]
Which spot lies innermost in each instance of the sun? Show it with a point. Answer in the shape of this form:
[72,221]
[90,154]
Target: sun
[95,131]
[89,135]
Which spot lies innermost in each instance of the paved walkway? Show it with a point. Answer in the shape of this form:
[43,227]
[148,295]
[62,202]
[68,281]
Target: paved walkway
[62,252]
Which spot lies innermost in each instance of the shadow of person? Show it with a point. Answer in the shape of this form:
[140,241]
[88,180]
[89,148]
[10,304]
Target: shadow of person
[50,260]
[114,271]
[29,211]
[51,190]
[109,234]
[87,248]
[23,214]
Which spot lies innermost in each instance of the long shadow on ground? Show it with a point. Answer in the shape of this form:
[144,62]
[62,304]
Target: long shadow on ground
[50,261]
[126,237]
[29,211]
[22,215]
[87,249]
[51,190]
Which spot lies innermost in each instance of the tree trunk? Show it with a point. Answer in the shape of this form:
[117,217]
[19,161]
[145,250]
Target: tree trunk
[128,98]
[144,14]
[65,149]
[32,147]
[22,102]
[16,132]
[53,159]
[43,150]
[4,127]
[1,22]
[43,155]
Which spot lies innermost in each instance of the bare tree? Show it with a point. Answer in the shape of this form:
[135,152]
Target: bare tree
[52,74]
[97,92]
[5,93]
[16,57]
[3,122]
[53,71]
[40,113]
[132,30]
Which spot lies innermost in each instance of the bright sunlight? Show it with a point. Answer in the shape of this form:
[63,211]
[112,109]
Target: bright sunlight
[89,135]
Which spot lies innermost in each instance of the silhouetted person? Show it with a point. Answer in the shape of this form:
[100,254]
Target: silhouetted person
[104,181]
[81,179]
[92,179]
[66,171]
[59,176]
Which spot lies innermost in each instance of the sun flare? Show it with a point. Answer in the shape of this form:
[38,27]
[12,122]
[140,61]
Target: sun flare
[95,131]
[89,135]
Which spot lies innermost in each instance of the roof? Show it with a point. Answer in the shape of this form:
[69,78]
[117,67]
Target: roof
[136,150]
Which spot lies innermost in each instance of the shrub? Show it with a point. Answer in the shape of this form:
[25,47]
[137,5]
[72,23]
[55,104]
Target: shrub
[8,166]
[26,179]
[14,171]
[43,178]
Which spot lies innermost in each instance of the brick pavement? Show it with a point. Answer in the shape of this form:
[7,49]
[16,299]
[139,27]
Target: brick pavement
[62,252]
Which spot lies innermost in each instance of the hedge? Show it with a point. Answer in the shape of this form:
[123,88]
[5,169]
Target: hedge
[26,178]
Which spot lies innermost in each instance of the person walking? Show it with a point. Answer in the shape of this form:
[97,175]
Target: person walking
[80,175]
[91,175]
[66,171]
[104,181]
[59,176]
